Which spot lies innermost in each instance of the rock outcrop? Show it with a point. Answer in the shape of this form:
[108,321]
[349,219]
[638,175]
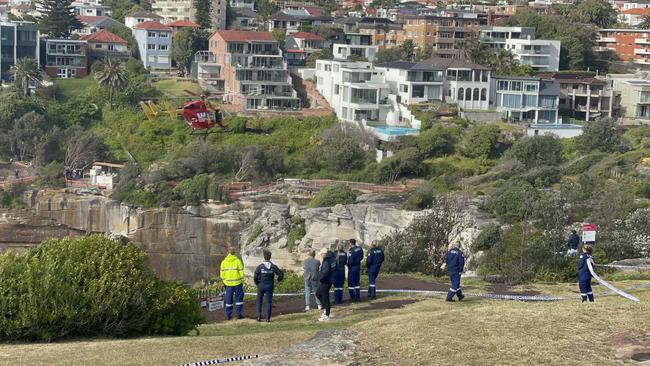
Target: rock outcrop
[187,244]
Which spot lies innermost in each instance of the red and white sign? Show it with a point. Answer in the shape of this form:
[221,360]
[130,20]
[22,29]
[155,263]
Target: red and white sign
[588,233]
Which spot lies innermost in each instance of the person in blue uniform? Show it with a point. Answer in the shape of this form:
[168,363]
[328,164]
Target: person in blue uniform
[338,277]
[355,256]
[373,263]
[584,275]
[573,243]
[265,281]
[455,265]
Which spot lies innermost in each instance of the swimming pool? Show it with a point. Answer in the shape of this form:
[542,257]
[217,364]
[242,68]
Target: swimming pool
[396,131]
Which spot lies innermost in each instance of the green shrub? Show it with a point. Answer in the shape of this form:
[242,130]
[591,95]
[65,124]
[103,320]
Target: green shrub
[421,199]
[583,164]
[292,282]
[333,195]
[296,232]
[512,202]
[542,177]
[538,150]
[89,286]
[488,238]
[257,230]
[51,175]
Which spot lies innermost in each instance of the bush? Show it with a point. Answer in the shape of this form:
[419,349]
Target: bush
[512,202]
[543,177]
[292,282]
[482,141]
[296,232]
[584,163]
[602,135]
[488,238]
[538,150]
[421,199]
[89,286]
[333,195]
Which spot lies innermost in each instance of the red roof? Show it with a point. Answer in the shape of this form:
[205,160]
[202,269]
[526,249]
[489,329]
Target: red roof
[103,36]
[243,36]
[308,36]
[183,23]
[89,18]
[152,25]
[637,11]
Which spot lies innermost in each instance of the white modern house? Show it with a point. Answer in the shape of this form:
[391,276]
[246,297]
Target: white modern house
[352,45]
[414,82]
[140,17]
[527,99]
[540,54]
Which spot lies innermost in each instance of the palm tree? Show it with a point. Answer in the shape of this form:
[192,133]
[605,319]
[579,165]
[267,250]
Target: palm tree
[23,71]
[113,75]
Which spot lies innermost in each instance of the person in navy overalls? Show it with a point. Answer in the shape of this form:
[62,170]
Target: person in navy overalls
[584,275]
[373,264]
[264,279]
[355,256]
[455,265]
[338,277]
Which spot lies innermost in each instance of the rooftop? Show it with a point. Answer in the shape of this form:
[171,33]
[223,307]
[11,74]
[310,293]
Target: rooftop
[183,23]
[636,11]
[103,36]
[308,36]
[245,36]
[99,21]
[152,25]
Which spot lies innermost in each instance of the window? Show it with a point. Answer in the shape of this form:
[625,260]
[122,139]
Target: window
[336,68]
[404,88]
[151,58]
[98,45]
[483,94]
[151,34]
[515,86]
[418,91]
[163,59]
[111,47]
[163,35]
[336,89]
[162,47]
[502,85]
[512,101]
[531,87]
[645,97]
[468,94]
[530,101]
[151,46]
[461,94]
[547,101]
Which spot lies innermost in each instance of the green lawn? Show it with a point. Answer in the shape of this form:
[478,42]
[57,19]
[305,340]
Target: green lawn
[176,88]
[68,88]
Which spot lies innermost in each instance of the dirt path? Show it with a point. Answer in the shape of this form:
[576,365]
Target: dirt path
[296,304]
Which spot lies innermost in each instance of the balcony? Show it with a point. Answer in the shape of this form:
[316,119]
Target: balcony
[607,40]
[209,76]
[641,51]
[642,41]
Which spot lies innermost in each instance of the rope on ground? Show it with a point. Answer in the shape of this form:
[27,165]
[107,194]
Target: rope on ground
[623,266]
[607,284]
[435,292]
[225,360]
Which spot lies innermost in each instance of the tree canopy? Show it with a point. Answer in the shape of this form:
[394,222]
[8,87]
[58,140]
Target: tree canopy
[57,18]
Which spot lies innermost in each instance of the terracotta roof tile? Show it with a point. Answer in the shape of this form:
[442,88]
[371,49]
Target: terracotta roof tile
[103,36]
[183,23]
[243,36]
[152,25]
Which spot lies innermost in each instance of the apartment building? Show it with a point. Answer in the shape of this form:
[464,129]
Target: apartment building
[218,14]
[497,36]
[18,40]
[414,82]
[527,99]
[154,44]
[300,45]
[351,45]
[208,72]
[383,32]
[442,29]
[90,8]
[357,91]
[634,94]
[172,10]
[254,71]
[64,58]
[243,4]
[632,45]
[585,97]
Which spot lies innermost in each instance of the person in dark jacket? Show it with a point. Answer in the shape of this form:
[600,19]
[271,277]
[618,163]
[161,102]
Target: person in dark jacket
[265,281]
[573,243]
[338,278]
[455,265]
[373,263]
[355,256]
[327,267]
[584,275]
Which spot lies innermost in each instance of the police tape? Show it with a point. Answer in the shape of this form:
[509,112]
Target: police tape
[225,360]
[607,284]
[623,266]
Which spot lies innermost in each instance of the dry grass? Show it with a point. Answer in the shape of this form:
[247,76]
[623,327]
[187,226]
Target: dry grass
[430,332]
[483,332]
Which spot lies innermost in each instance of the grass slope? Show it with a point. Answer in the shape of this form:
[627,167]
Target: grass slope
[69,88]
[430,332]
[177,88]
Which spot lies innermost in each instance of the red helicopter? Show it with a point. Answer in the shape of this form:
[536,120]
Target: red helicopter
[200,115]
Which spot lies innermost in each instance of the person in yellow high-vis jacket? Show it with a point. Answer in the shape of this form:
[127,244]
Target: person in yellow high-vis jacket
[232,275]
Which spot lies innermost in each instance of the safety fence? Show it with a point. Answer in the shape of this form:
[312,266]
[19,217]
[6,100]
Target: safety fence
[221,361]
[24,180]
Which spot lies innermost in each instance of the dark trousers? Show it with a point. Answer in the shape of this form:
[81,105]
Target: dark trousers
[372,283]
[264,290]
[338,279]
[354,276]
[455,287]
[324,296]
[238,292]
[584,283]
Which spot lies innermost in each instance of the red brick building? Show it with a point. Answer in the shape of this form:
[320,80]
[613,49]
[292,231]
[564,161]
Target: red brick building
[64,58]
[632,45]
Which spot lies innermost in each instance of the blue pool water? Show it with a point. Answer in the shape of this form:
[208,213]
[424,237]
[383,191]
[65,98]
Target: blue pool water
[396,131]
